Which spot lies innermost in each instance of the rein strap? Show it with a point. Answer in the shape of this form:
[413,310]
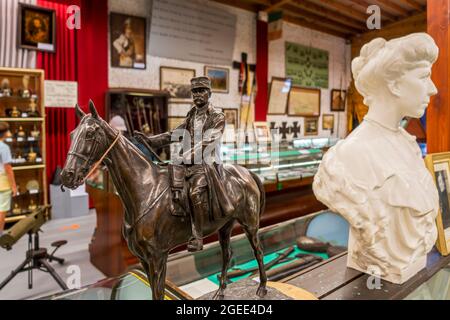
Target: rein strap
[102,157]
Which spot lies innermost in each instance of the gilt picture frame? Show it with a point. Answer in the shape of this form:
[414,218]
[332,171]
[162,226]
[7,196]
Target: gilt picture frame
[220,79]
[36,28]
[304,102]
[311,126]
[177,81]
[439,166]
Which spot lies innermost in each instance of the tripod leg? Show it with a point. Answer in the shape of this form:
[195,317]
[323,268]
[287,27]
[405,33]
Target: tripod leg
[53,258]
[53,274]
[14,273]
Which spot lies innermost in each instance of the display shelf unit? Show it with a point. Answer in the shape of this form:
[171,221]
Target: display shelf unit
[22,107]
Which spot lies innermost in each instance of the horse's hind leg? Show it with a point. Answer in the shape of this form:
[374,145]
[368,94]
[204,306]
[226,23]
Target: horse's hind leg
[224,239]
[252,235]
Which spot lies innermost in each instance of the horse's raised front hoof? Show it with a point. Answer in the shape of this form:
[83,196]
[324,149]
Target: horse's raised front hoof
[218,295]
[262,291]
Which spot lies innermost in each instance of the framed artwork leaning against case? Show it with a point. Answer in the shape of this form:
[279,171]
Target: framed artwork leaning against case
[439,166]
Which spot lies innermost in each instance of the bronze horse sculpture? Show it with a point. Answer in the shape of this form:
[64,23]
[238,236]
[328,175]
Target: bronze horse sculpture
[150,230]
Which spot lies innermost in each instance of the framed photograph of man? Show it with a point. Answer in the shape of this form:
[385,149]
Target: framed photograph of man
[328,122]
[439,166]
[304,102]
[231,117]
[128,41]
[219,79]
[338,98]
[311,126]
[177,82]
[37,28]
[262,132]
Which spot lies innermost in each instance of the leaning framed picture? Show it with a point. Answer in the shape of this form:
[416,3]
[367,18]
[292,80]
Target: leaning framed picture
[262,132]
[231,117]
[220,78]
[338,98]
[304,102]
[128,41]
[177,82]
[278,96]
[311,126]
[328,122]
[439,166]
[36,28]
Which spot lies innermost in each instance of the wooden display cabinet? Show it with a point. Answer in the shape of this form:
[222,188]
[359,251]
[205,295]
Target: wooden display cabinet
[22,107]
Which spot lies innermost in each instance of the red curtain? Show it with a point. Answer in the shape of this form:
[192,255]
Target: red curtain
[81,55]
[60,65]
[262,66]
[93,54]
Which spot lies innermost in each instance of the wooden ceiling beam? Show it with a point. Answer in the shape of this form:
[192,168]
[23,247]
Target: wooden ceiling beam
[302,22]
[249,6]
[393,6]
[276,5]
[413,4]
[342,9]
[330,14]
[320,20]
[363,4]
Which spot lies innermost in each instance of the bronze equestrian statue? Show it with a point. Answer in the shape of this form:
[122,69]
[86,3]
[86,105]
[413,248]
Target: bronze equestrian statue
[150,227]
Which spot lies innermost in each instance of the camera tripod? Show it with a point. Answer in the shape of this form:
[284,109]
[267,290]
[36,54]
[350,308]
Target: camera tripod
[38,258]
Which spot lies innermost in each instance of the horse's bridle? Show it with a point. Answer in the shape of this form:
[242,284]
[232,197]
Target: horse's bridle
[88,160]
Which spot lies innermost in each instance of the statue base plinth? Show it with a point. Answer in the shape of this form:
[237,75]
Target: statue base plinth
[397,278]
[245,289]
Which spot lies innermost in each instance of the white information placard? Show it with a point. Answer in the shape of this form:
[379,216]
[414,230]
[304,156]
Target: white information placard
[61,93]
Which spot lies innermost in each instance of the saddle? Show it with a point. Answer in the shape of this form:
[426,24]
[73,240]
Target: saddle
[180,200]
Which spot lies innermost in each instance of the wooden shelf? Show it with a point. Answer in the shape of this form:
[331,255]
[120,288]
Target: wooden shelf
[29,167]
[40,119]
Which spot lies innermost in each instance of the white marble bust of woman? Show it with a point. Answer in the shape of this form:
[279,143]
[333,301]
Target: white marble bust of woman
[376,177]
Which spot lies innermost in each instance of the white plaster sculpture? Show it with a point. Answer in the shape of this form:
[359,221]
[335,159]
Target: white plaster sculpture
[376,177]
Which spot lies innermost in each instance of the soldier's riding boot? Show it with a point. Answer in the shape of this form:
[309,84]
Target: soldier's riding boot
[199,211]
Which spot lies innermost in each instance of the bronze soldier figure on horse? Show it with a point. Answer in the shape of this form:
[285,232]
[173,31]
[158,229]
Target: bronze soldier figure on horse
[199,163]
[150,227]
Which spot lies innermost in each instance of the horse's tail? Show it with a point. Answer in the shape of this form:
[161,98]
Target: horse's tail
[261,191]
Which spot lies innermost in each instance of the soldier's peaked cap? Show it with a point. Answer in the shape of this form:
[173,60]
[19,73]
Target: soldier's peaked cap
[200,82]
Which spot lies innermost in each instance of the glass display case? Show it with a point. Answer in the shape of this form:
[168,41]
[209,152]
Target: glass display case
[296,160]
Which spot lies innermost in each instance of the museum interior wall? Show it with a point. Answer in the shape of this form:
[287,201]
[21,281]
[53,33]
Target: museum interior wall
[245,41]
[339,70]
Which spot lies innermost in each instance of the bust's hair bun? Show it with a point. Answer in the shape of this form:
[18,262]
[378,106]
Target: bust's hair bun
[368,50]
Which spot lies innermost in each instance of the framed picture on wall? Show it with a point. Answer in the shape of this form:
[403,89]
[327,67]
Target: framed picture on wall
[177,82]
[231,117]
[219,79]
[262,132]
[311,126]
[328,122]
[278,96]
[128,41]
[439,166]
[304,102]
[37,28]
[338,98]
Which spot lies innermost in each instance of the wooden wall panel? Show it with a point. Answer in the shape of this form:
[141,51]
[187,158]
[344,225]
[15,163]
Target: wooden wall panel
[438,113]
